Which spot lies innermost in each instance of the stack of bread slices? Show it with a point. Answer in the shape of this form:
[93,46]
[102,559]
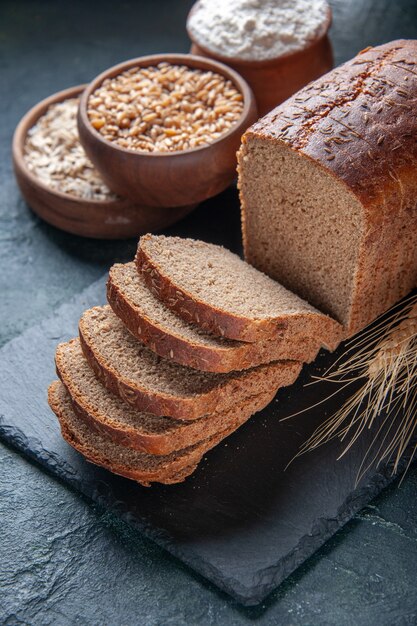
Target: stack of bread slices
[193,342]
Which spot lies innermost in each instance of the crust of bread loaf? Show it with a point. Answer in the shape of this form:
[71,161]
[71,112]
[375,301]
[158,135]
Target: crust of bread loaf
[175,470]
[225,324]
[160,443]
[144,479]
[358,122]
[204,357]
[234,388]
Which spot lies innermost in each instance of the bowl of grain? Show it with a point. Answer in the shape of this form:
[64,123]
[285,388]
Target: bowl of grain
[277,46]
[60,184]
[164,129]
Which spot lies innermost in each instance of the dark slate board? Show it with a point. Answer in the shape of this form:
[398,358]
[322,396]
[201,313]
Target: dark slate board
[241,520]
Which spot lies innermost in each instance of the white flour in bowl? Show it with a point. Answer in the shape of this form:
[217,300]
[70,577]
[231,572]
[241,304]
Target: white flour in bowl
[256,29]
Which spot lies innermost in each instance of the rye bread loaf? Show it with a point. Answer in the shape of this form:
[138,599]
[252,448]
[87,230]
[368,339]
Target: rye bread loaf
[111,417]
[139,466]
[171,337]
[328,187]
[213,288]
[152,384]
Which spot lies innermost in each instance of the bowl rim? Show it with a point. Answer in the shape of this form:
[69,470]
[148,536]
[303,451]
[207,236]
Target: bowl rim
[175,58]
[260,63]
[29,119]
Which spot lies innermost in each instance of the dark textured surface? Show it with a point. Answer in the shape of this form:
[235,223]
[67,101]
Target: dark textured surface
[63,562]
[70,563]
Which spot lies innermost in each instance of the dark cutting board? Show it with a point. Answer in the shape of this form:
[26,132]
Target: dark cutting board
[241,520]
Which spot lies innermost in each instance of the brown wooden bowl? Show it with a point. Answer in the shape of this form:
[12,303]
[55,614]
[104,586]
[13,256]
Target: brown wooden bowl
[107,219]
[274,80]
[167,179]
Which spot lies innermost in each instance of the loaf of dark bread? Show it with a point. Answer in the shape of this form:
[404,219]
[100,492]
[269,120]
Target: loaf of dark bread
[139,466]
[167,334]
[214,289]
[155,385]
[109,416]
[328,187]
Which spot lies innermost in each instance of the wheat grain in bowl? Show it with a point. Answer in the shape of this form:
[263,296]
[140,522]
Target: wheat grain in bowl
[54,154]
[165,108]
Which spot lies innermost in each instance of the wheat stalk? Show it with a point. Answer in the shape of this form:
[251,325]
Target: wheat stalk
[383,359]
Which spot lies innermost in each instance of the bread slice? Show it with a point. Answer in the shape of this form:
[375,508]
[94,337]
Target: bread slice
[210,286]
[148,382]
[173,338]
[112,417]
[139,466]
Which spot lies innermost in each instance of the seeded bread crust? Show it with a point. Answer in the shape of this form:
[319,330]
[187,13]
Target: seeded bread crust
[224,323]
[143,478]
[187,434]
[173,468]
[358,122]
[220,356]
[222,394]
[171,435]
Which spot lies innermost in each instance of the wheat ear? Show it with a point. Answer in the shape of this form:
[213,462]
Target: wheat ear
[384,357]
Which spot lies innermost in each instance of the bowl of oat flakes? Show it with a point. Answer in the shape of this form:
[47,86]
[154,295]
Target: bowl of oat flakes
[164,129]
[61,185]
